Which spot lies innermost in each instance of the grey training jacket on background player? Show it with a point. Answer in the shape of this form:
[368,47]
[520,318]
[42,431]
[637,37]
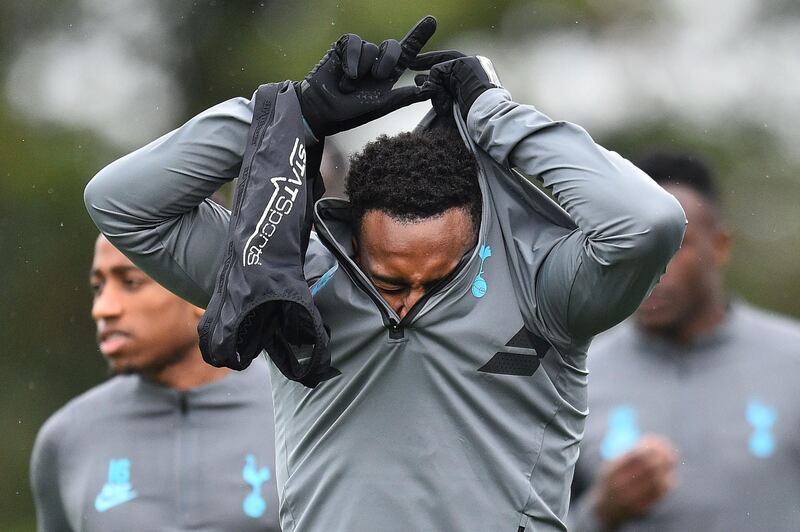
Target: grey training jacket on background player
[466,414]
[730,404]
[133,455]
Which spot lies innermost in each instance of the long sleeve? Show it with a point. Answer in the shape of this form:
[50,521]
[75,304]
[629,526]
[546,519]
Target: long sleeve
[152,204]
[628,226]
[45,485]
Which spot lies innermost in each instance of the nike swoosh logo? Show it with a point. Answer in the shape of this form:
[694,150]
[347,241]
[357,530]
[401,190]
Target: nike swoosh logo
[103,503]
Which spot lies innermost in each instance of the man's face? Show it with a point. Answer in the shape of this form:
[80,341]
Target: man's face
[405,259]
[691,284]
[141,326]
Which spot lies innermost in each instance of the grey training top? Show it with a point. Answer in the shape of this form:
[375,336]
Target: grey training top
[466,414]
[730,404]
[133,455]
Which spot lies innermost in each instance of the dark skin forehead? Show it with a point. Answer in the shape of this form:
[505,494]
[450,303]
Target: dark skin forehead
[417,253]
[109,261]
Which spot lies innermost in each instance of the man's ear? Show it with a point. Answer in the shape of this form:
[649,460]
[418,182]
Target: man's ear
[723,245]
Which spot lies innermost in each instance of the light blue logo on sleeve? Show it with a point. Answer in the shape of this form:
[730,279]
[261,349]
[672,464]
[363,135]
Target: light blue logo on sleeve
[623,433]
[117,490]
[479,285]
[762,418]
[254,504]
[322,281]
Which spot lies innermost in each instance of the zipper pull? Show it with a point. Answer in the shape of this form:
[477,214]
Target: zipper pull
[395,331]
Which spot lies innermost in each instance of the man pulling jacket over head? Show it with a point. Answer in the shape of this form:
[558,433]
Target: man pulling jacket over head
[459,299]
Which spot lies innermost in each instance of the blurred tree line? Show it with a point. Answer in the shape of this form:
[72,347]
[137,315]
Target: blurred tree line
[225,48]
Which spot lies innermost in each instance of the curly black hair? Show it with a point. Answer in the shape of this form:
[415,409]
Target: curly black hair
[413,176]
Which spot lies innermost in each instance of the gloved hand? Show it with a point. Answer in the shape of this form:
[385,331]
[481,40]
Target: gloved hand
[353,83]
[454,76]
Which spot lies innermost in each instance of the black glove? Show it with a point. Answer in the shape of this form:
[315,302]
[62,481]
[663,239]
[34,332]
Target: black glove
[352,84]
[454,76]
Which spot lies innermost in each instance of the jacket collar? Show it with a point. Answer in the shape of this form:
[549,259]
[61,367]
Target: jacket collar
[236,387]
[333,223]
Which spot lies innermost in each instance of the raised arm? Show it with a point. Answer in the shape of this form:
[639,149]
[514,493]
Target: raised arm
[629,227]
[152,204]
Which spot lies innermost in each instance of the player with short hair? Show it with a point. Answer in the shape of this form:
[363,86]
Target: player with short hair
[693,422]
[169,442]
[393,198]
[458,329]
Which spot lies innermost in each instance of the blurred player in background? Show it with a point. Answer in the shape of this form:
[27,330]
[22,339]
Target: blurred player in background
[169,442]
[694,411]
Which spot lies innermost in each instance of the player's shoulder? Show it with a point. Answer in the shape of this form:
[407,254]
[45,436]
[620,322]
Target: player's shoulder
[767,327]
[85,409]
[98,396]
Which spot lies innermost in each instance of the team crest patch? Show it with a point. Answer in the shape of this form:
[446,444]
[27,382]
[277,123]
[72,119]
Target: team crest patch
[762,418]
[254,504]
[623,432]
[479,285]
[117,489]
